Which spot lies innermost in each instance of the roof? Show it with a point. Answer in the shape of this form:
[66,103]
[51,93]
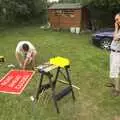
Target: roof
[66,6]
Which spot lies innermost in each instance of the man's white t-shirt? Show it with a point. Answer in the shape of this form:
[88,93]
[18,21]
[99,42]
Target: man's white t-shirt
[20,50]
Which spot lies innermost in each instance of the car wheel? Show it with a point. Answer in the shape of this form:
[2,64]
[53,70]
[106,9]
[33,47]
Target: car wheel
[105,43]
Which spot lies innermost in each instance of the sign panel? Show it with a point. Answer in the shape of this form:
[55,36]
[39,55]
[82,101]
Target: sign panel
[15,81]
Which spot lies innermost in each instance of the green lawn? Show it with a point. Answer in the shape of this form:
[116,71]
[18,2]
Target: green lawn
[89,71]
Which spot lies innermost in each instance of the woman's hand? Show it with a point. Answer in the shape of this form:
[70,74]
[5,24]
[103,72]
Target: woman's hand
[116,26]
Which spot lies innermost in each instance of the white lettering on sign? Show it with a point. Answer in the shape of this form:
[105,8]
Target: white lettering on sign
[6,80]
[14,81]
[22,82]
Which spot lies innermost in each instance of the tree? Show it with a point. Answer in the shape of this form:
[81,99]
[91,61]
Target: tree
[103,11]
[97,3]
[75,1]
[20,10]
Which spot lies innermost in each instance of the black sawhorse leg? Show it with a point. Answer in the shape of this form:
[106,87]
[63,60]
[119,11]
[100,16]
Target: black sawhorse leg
[39,89]
[69,81]
[42,87]
[52,85]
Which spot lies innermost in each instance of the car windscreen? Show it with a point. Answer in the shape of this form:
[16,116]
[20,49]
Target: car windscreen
[106,30]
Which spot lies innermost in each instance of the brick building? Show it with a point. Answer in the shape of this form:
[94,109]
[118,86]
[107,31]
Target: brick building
[68,15]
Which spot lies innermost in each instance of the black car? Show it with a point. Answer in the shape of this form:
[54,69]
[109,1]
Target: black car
[103,38]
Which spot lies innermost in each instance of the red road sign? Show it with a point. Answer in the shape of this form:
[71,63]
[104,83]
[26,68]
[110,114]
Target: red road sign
[15,81]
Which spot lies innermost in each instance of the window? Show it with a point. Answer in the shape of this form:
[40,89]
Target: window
[58,12]
[68,13]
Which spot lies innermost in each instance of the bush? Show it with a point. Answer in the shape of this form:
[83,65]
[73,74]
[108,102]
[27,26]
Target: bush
[13,11]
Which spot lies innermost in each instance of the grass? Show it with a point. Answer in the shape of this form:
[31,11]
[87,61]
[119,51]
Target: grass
[89,71]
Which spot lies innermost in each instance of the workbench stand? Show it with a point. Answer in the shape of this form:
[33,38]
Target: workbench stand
[52,84]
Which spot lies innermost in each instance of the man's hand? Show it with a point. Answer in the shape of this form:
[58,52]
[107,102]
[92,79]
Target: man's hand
[20,64]
[25,63]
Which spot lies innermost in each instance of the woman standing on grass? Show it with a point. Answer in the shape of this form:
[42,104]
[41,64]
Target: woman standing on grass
[115,58]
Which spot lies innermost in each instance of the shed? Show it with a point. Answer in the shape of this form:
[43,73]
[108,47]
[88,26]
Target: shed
[67,15]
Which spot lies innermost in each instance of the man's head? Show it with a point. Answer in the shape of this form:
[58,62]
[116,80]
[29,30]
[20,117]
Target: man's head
[25,47]
[117,18]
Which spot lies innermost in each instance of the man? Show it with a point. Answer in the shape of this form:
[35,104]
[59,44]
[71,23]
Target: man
[25,54]
[115,57]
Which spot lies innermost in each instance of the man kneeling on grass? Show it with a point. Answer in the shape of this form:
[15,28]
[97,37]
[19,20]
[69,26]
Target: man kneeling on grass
[25,54]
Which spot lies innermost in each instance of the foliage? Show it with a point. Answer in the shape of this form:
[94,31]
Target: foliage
[95,2]
[106,3]
[103,12]
[20,10]
[75,1]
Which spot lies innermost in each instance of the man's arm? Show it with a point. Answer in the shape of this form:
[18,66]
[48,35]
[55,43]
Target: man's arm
[25,63]
[18,59]
[27,59]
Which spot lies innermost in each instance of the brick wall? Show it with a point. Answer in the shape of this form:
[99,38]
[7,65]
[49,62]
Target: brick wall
[65,18]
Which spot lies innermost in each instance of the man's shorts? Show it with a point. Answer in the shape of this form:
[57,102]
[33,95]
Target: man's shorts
[114,64]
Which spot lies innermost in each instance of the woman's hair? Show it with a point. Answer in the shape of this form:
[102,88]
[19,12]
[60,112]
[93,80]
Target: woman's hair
[118,14]
[25,47]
